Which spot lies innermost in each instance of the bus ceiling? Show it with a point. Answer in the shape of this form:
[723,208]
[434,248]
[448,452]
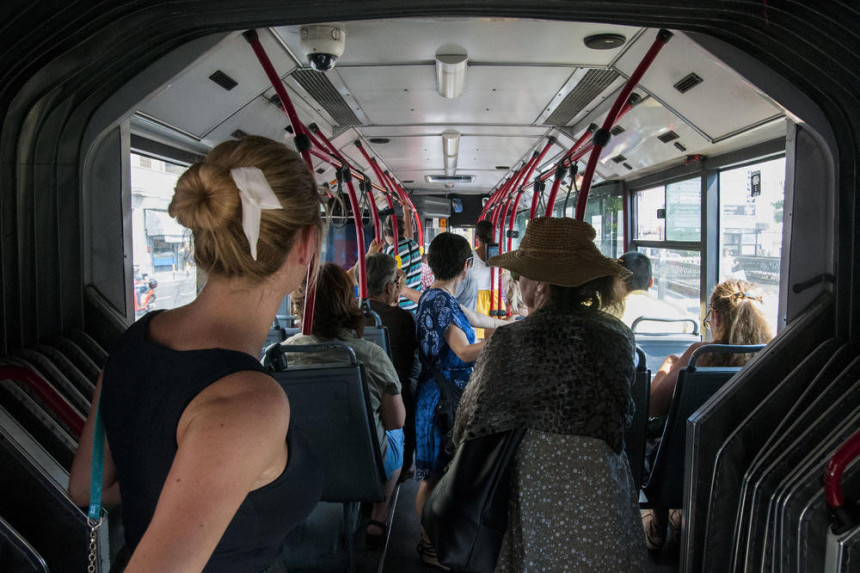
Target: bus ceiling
[523,82]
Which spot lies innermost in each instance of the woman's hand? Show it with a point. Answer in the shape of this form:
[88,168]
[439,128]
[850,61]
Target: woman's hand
[376,246]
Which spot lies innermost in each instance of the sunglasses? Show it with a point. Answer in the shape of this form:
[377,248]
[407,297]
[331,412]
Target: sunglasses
[470,261]
[706,322]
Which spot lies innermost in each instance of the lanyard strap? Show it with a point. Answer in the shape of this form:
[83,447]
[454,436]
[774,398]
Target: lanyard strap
[95,510]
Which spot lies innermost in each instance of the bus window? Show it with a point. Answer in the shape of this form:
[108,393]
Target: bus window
[164,272]
[751,211]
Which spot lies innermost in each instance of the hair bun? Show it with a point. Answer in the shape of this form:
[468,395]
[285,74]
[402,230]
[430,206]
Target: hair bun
[206,198]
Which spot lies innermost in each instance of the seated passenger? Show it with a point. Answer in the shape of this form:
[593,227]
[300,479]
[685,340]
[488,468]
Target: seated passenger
[639,302]
[735,316]
[384,281]
[200,448]
[337,317]
[564,373]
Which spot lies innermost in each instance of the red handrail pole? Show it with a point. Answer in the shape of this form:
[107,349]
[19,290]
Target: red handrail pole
[377,228]
[52,399]
[550,142]
[301,138]
[556,183]
[601,136]
[408,200]
[513,219]
[836,466]
[359,234]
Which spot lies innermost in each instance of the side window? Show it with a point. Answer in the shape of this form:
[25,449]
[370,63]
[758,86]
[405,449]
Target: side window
[751,213]
[164,272]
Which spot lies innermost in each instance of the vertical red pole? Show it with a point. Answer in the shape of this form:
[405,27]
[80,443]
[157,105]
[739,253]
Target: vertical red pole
[550,142]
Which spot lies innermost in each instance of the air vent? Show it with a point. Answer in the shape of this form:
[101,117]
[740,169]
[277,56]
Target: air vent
[668,136]
[275,101]
[223,80]
[627,165]
[618,158]
[688,82]
[289,129]
[589,87]
[239,134]
[407,181]
[617,130]
[323,91]
[321,170]
[449,178]
[503,167]
[379,140]
[680,147]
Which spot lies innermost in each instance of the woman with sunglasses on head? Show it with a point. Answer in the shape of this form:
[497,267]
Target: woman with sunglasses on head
[735,316]
[199,446]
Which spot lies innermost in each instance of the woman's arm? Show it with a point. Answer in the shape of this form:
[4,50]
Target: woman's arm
[392,411]
[410,294]
[664,381]
[408,231]
[232,440]
[79,477]
[478,320]
[460,346]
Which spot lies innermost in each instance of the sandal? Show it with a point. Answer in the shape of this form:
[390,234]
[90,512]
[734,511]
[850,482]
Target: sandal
[376,540]
[675,520]
[428,555]
[654,540]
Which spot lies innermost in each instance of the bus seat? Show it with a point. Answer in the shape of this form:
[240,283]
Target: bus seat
[84,382]
[664,486]
[55,378]
[35,503]
[17,554]
[634,435]
[330,404]
[79,358]
[92,348]
[377,333]
[53,403]
[658,345]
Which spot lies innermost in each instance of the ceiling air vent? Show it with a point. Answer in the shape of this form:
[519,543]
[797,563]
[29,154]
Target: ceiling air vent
[321,170]
[668,136]
[323,91]
[618,158]
[617,130]
[688,82]
[289,129]
[379,140]
[223,80]
[503,167]
[680,147]
[449,178]
[627,165]
[589,87]
[407,181]
[239,134]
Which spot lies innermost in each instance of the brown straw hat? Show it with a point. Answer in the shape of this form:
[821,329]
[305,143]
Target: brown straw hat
[559,251]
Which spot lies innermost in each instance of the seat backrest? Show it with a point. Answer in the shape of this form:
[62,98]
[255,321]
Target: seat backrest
[658,346]
[694,387]
[330,406]
[634,435]
[18,555]
[379,336]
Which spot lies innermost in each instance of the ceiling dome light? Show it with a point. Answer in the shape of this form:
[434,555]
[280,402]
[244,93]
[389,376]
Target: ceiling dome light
[451,64]
[604,41]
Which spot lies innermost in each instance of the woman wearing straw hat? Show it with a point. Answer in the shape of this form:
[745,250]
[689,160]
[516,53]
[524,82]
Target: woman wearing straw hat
[564,373]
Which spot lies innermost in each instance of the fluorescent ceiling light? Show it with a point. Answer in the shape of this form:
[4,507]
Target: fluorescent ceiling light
[451,71]
[449,178]
[450,149]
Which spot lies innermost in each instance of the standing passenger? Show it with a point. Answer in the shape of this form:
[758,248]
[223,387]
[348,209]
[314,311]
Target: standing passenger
[199,446]
[410,257]
[481,271]
[447,349]
[564,373]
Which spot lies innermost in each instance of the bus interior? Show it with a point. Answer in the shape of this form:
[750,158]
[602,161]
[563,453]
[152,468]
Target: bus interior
[733,154]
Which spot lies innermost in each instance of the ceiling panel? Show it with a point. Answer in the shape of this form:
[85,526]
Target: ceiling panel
[394,95]
[495,40]
[465,129]
[257,118]
[213,104]
[721,105]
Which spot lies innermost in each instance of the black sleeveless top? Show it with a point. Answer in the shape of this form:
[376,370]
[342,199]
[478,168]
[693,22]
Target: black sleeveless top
[145,389]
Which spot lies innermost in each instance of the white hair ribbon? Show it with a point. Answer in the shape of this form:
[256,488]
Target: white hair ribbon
[256,194]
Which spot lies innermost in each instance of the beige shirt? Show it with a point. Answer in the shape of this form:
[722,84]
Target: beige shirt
[640,303]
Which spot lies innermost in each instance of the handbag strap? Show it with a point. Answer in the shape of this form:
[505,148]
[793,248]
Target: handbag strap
[94,515]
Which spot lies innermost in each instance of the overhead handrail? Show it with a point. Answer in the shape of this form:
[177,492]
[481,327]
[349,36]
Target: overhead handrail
[53,400]
[536,192]
[404,197]
[846,515]
[601,136]
[381,178]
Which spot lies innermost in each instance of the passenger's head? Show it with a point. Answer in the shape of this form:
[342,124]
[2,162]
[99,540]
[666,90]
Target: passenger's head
[336,307]
[388,229]
[640,266]
[208,202]
[737,315]
[448,256]
[484,232]
[383,281]
[559,265]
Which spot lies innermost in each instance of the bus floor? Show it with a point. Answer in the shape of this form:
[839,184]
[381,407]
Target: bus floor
[400,556]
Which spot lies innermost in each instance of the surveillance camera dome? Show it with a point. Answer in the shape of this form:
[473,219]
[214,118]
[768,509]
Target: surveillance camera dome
[322,45]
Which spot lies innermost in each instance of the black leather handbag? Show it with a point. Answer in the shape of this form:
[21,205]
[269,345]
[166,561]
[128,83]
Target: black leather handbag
[466,516]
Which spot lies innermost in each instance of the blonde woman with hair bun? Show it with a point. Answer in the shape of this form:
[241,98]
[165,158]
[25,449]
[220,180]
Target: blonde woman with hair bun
[199,447]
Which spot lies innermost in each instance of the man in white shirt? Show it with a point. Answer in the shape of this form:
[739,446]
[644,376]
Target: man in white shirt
[640,302]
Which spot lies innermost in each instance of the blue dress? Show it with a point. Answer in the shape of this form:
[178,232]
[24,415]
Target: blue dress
[436,311]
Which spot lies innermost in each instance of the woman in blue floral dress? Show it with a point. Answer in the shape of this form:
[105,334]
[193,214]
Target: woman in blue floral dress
[446,348]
